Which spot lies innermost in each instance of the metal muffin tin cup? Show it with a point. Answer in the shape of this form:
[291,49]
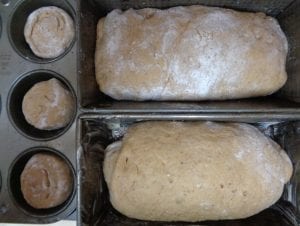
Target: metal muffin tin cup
[19,71]
[17,22]
[15,187]
[14,104]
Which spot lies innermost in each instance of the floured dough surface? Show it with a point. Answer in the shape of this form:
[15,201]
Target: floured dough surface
[194,171]
[48,105]
[189,53]
[49,31]
[46,181]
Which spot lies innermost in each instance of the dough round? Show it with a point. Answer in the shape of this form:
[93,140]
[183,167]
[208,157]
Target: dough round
[48,105]
[49,31]
[194,171]
[46,181]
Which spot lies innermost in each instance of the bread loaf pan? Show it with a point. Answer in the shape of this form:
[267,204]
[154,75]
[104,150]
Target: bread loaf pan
[285,100]
[19,70]
[98,131]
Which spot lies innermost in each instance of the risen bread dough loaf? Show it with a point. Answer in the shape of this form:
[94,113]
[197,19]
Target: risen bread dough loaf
[194,171]
[46,181]
[189,53]
[48,105]
[49,31]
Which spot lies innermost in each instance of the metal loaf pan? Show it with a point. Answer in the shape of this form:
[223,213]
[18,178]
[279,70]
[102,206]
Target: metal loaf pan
[95,132]
[20,69]
[285,100]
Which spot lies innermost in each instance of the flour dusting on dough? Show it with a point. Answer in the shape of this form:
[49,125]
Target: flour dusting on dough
[189,53]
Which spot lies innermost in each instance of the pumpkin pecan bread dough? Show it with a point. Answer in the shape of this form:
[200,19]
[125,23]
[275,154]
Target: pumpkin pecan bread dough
[189,53]
[194,171]
[49,31]
[46,181]
[48,105]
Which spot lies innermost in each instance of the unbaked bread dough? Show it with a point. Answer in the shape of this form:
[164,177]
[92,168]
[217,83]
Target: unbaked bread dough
[48,105]
[46,181]
[194,171]
[49,31]
[189,53]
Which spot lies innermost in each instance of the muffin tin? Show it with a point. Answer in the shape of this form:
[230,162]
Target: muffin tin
[100,119]
[20,69]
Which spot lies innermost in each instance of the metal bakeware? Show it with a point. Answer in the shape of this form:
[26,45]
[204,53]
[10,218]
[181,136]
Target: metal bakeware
[95,132]
[286,100]
[20,69]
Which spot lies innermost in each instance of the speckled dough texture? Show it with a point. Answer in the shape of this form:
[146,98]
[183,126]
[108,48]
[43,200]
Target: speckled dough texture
[49,31]
[46,181]
[194,171]
[189,53]
[48,105]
